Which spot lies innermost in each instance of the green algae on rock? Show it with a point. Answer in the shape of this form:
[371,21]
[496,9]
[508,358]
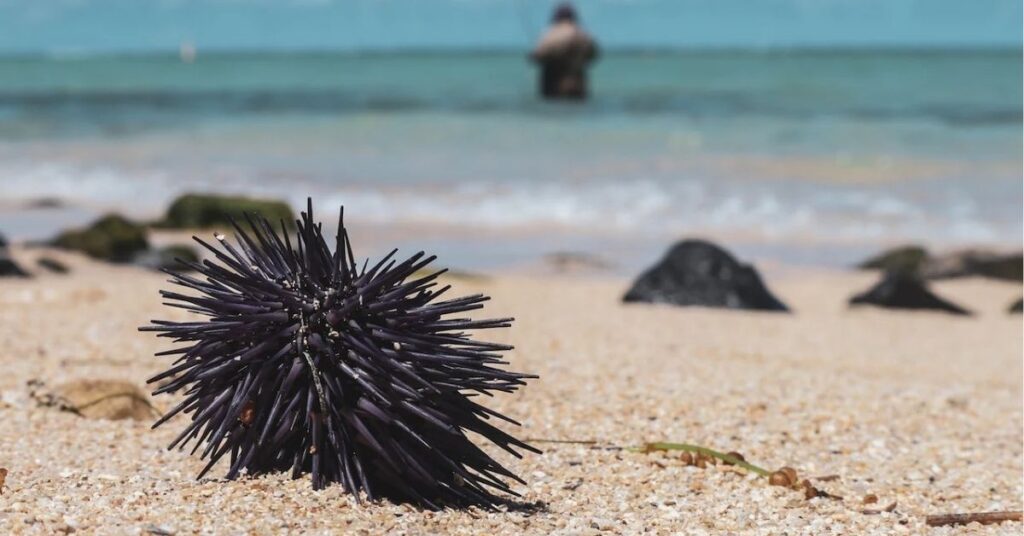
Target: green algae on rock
[111,238]
[198,211]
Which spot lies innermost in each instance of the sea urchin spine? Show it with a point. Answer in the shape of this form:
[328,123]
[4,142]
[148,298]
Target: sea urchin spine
[307,361]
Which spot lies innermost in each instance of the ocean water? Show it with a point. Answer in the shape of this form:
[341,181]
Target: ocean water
[805,156]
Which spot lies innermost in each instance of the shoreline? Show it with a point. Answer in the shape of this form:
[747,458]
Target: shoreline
[533,249]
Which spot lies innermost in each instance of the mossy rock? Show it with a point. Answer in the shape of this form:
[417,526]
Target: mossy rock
[180,251]
[903,260]
[198,211]
[111,238]
[166,258]
[975,263]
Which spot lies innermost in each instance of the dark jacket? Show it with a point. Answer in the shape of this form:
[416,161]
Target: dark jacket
[563,54]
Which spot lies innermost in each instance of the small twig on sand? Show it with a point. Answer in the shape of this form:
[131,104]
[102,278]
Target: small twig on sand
[985,518]
[593,444]
[561,441]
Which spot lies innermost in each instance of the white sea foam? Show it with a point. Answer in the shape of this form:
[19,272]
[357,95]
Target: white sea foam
[756,211]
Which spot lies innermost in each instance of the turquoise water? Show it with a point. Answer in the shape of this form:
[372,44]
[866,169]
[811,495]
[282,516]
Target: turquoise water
[800,149]
[112,94]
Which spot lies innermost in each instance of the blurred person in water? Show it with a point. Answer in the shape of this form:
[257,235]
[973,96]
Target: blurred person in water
[564,53]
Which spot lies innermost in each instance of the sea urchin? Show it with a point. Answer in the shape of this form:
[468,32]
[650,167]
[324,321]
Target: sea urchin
[307,361]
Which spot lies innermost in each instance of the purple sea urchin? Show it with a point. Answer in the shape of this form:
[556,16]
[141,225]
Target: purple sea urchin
[356,375]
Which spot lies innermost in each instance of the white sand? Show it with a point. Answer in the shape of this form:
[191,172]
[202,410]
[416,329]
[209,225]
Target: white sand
[920,409]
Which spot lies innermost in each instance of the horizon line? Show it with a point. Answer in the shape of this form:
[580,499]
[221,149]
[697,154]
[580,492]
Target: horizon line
[71,53]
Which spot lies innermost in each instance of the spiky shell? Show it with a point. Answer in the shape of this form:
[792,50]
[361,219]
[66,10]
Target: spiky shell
[357,375]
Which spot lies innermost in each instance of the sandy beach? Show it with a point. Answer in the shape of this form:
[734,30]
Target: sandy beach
[922,410]
[583,164]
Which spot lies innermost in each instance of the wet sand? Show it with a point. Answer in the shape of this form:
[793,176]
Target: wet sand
[922,410]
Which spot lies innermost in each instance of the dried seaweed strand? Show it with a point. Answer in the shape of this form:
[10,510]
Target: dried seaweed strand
[661,446]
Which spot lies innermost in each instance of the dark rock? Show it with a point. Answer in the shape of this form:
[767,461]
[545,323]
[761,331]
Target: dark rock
[905,259]
[992,264]
[184,252]
[1017,307]
[167,258]
[192,211]
[52,265]
[899,290]
[695,272]
[9,268]
[111,238]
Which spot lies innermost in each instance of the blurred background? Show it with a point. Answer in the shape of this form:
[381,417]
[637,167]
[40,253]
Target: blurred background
[798,132]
